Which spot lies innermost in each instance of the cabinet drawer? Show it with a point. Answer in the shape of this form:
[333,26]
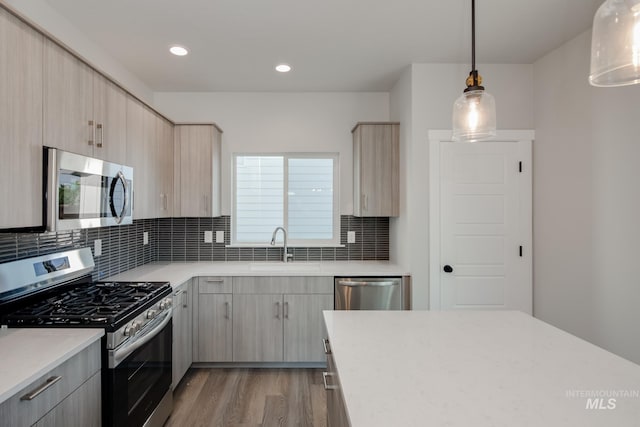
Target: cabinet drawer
[73,373]
[283,285]
[214,285]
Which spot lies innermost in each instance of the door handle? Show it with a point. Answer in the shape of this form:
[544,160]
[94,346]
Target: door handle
[277,310]
[448,269]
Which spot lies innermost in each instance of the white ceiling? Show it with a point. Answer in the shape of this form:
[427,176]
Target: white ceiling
[333,45]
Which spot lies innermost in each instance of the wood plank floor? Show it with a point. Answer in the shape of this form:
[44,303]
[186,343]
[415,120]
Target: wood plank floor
[250,398]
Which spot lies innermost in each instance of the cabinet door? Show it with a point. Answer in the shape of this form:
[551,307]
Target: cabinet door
[215,339]
[257,328]
[303,327]
[142,156]
[68,101]
[182,336]
[336,409]
[110,116]
[82,408]
[376,164]
[20,123]
[196,169]
[165,167]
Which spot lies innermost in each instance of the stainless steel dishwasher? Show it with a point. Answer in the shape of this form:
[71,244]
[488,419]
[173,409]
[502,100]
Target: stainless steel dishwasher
[373,293]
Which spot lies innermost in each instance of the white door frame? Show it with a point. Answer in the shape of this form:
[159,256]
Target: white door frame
[525,139]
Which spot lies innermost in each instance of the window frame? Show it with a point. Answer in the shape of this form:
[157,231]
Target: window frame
[334,242]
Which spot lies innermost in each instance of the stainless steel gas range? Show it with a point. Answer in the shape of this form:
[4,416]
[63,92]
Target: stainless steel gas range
[56,290]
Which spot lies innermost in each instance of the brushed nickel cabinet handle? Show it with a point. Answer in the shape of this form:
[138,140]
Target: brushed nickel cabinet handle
[92,133]
[215,281]
[278,310]
[227,310]
[325,345]
[324,380]
[35,393]
[185,299]
[100,129]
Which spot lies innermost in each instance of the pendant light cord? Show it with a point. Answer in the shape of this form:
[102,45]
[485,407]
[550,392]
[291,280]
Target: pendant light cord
[473,43]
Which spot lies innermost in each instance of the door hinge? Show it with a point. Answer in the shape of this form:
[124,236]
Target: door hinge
[520,250]
[520,167]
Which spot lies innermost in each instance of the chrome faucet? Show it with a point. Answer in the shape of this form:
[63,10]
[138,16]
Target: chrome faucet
[286,256]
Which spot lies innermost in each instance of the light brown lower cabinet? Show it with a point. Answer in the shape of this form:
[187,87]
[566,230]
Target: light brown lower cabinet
[68,395]
[79,409]
[182,331]
[260,319]
[336,408]
[212,319]
[279,319]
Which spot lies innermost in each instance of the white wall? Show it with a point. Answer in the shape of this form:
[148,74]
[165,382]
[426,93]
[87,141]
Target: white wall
[586,202]
[266,122]
[401,110]
[434,88]
[44,17]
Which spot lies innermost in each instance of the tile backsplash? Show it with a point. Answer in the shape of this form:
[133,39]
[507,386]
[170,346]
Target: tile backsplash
[181,239]
[122,247]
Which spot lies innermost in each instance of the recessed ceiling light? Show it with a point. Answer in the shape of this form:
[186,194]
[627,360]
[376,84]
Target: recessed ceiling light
[283,68]
[178,50]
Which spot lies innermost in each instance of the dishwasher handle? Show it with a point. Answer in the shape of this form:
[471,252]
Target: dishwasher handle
[355,283]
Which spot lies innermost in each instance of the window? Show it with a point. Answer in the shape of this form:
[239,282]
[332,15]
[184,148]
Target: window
[295,191]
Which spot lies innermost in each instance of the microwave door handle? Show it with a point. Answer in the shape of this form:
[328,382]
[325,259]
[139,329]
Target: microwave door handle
[119,217]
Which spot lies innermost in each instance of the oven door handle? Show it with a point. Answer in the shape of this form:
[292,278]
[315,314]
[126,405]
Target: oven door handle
[118,355]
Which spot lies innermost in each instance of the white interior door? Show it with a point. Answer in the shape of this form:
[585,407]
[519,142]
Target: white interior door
[482,232]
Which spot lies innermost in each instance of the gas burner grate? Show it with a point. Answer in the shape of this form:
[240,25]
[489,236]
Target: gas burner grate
[93,304]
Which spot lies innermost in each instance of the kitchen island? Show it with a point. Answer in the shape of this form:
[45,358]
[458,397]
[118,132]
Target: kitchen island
[483,368]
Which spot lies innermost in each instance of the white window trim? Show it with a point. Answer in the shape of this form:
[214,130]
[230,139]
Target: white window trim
[335,242]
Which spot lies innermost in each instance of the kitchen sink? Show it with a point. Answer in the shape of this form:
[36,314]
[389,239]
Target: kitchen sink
[281,266]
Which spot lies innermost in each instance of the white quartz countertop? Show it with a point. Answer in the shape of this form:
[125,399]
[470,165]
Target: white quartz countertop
[178,272]
[26,354]
[461,369]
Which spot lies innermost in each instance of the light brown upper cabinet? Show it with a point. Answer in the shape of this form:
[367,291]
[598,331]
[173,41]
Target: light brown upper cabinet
[83,112]
[20,123]
[197,170]
[149,142]
[165,167]
[376,169]
[110,120]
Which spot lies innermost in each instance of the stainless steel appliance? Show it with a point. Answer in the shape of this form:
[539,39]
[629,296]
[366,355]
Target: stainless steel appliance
[83,192]
[373,293]
[56,290]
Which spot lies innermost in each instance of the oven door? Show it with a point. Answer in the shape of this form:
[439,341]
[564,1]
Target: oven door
[137,378]
[85,192]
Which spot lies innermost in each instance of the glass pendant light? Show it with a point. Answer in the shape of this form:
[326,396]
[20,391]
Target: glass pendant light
[615,44]
[474,113]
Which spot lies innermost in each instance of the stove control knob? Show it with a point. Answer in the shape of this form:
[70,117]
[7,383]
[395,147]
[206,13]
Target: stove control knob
[131,330]
[162,305]
[168,302]
[165,304]
[151,314]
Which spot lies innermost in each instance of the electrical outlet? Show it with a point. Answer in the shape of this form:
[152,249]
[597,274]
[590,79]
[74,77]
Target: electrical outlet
[351,236]
[145,238]
[208,236]
[220,236]
[97,247]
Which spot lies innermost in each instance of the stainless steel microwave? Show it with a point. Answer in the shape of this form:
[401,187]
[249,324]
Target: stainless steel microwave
[83,192]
